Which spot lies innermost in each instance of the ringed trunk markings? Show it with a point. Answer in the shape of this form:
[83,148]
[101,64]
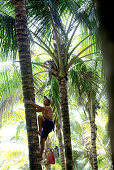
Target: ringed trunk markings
[27,82]
[66,123]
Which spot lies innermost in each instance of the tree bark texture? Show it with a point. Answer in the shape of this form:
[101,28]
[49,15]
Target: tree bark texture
[106,31]
[27,82]
[60,145]
[93,141]
[66,123]
[47,149]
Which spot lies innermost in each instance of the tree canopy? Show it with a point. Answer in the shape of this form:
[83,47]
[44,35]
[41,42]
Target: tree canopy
[64,44]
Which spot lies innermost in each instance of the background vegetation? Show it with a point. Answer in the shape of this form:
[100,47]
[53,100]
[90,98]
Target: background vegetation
[86,75]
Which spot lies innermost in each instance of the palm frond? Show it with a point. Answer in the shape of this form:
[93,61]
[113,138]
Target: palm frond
[8,45]
[7,7]
[42,17]
[10,89]
[87,15]
[54,92]
[85,78]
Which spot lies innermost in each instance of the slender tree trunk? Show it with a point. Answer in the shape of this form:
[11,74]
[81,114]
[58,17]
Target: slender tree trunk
[106,29]
[90,106]
[66,122]
[60,145]
[93,141]
[27,82]
[48,145]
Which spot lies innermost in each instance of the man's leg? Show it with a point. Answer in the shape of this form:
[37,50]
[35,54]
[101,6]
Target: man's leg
[41,119]
[42,142]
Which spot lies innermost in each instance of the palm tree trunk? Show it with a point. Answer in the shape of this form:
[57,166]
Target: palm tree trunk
[60,145]
[27,82]
[48,145]
[106,30]
[93,141]
[90,106]
[66,122]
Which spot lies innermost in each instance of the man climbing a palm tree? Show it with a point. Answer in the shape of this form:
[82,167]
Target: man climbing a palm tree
[46,124]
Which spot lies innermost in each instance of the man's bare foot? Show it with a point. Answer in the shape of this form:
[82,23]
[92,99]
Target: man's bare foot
[39,133]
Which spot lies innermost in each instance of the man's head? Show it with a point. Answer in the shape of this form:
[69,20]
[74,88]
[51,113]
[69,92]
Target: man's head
[47,101]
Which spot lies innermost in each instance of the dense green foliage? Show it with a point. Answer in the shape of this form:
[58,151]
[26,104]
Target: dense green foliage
[85,76]
[80,130]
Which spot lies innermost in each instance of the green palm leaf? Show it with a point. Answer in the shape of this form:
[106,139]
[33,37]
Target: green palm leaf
[10,88]
[8,45]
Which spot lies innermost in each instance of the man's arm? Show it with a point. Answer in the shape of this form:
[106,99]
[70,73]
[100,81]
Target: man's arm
[39,108]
